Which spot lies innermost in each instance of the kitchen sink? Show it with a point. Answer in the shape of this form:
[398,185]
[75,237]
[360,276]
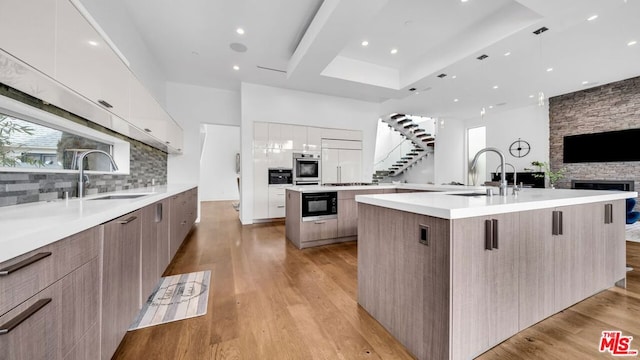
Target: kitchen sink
[119,196]
[470,194]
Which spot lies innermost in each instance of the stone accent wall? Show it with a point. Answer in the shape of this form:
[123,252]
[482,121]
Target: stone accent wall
[614,106]
[146,164]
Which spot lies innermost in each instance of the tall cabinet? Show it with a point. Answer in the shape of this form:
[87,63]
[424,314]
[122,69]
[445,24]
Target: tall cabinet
[341,161]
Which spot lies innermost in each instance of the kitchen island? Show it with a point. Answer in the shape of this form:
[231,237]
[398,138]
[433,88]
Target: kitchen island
[452,274]
[305,230]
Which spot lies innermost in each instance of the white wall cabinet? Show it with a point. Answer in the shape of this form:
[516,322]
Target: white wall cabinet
[33,20]
[341,161]
[56,40]
[87,64]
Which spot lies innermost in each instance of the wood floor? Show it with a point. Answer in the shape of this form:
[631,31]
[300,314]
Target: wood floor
[269,300]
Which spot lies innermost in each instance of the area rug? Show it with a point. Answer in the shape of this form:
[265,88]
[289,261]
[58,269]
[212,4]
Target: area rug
[176,297]
[633,232]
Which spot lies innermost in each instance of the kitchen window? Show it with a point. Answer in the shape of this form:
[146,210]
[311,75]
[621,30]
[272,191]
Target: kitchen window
[32,140]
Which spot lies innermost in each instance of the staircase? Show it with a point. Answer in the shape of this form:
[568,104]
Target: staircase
[422,143]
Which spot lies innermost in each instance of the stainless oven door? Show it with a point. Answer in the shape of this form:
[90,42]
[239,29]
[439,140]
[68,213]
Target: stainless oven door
[307,170]
[318,206]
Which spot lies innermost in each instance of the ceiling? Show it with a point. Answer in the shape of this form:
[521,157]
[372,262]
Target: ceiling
[315,45]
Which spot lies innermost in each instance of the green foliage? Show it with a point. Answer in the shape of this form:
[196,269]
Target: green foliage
[7,128]
[554,176]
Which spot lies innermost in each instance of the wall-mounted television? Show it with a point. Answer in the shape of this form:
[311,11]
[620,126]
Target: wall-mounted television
[611,146]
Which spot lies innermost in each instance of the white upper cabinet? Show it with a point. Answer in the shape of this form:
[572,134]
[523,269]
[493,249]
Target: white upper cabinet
[314,138]
[27,31]
[260,135]
[87,64]
[299,135]
[341,134]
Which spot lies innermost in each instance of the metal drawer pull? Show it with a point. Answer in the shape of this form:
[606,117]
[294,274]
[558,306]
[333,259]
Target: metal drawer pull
[280,206]
[126,221]
[494,226]
[26,262]
[11,324]
[608,213]
[320,222]
[105,104]
[488,235]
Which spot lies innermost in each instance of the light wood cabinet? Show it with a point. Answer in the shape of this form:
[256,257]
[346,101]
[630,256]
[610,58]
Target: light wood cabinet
[318,230]
[55,327]
[543,261]
[120,279]
[183,213]
[154,245]
[27,31]
[404,283]
[485,283]
[44,266]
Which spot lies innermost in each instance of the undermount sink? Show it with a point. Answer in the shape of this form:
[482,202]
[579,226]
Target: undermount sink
[119,196]
[470,194]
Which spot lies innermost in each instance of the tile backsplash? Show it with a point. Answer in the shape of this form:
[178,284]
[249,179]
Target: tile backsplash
[147,165]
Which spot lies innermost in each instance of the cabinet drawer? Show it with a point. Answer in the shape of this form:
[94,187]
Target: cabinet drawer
[59,325]
[66,255]
[318,230]
[277,209]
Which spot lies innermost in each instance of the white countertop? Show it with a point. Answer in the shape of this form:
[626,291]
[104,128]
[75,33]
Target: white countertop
[448,206]
[424,187]
[27,227]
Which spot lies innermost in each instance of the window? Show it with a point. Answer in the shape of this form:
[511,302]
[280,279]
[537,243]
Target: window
[35,140]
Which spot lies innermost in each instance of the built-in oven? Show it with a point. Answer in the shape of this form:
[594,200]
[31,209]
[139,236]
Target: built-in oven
[319,205]
[280,176]
[306,169]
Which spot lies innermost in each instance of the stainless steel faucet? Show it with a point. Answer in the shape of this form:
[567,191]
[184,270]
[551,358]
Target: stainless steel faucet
[515,174]
[503,179]
[81,175]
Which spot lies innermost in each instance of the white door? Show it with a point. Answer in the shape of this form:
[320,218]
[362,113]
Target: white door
[350,166]
[330,161]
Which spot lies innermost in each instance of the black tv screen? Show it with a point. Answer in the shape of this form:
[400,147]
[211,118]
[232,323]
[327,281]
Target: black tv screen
[608,146]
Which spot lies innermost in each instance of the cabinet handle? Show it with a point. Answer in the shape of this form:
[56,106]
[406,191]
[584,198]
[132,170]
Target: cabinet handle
[105,104]
[488,235]
[128,220]
[608,213]
[556,226]
[494,226]
[320,222]
[280,206]
[158,213]
[11,324]
[24,263]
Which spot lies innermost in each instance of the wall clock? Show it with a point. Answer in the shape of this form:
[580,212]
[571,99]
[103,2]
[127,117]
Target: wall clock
[519,148]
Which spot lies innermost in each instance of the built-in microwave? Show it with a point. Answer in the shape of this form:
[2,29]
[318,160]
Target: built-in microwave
[319,205]
[306,169]
[280,176]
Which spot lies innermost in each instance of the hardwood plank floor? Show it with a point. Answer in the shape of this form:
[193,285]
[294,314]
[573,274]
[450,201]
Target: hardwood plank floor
[269,300]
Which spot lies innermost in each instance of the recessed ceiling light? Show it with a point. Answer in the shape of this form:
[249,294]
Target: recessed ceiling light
[455,100]
[631,43]
[454,76]
[495,87]
[490,106]
[236,67]
[592,17]
[549,69]
[464,0]
[507,53]
[585,82]
[394,51]
[93,43]
[365,43]
[240,31]
[531,96]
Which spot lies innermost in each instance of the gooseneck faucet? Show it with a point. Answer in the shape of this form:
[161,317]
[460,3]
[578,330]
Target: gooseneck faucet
[503,179]
[81,176]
